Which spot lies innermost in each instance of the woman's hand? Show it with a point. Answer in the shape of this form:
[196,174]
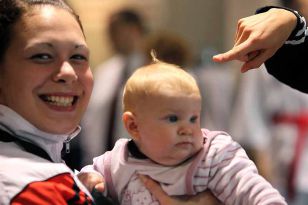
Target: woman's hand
[258,37]
[202,198]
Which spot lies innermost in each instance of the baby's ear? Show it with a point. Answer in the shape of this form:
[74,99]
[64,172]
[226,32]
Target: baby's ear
[130,123]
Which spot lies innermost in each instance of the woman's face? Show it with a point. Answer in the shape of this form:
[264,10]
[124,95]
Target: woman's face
[45,75]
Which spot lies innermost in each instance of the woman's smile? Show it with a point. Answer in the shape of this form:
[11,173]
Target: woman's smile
[60,101]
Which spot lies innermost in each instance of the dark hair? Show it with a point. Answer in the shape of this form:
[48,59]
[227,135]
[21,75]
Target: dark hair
[286,3]
[11,11]
[169,47]
[128,17]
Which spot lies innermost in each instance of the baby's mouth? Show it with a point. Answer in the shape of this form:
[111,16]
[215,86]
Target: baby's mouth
[61,101]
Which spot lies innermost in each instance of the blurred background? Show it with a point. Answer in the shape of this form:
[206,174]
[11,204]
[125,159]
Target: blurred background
[208,25]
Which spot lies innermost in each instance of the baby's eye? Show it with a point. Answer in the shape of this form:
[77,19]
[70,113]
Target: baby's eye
[193,119]
[172,118]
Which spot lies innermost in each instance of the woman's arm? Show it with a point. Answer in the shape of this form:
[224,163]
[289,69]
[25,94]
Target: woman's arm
[200,199]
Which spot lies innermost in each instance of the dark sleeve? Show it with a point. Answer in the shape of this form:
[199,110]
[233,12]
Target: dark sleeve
[288,66]
[288,63]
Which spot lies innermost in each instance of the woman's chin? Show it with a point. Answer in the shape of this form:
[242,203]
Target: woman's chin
[59,130]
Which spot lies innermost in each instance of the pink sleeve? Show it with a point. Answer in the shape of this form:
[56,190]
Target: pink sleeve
[234,178]
[97,166]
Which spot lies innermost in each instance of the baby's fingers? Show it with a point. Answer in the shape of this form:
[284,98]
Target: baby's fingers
[100,187]
[91,180]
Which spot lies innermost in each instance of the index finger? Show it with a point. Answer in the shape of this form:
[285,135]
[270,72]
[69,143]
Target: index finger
[239,52]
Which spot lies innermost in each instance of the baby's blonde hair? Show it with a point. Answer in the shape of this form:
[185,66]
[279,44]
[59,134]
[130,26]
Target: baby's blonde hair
[155,78]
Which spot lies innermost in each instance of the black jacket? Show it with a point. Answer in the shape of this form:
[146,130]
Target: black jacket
[288,64]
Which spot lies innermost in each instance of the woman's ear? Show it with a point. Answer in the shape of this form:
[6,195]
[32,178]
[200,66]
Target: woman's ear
[131,125]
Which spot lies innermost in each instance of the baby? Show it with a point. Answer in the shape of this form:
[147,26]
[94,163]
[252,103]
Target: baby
[162,106]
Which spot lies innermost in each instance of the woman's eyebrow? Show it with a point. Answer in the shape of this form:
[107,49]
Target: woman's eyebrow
[82,46]
[40,44]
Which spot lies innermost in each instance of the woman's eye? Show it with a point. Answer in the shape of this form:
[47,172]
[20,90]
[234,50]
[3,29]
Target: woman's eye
[41,57]
[193,119]
[79,57]
[172,118]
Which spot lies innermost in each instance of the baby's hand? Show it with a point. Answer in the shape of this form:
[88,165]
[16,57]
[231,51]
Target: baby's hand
[92,180]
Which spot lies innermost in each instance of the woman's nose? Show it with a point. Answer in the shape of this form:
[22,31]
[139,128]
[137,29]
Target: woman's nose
[65,74]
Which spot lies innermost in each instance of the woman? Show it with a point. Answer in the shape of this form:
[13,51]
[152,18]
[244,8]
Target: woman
[45,85]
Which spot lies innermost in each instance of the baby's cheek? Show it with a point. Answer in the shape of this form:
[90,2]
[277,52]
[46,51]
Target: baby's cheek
[199,143]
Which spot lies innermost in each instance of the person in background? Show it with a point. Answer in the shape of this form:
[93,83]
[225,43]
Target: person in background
[170,48]
[270,118]
[162,106]
[101,123]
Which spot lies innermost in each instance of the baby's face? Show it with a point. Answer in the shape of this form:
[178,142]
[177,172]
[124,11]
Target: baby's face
[169,127]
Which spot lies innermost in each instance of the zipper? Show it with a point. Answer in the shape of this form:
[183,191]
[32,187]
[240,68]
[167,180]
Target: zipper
[67,145]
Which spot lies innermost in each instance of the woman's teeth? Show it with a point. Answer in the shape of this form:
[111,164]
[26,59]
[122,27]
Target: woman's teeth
[60,101]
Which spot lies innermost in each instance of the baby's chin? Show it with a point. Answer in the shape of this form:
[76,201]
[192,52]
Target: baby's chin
[179,159]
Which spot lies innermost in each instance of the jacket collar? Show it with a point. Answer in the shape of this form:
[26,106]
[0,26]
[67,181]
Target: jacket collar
[13,123]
